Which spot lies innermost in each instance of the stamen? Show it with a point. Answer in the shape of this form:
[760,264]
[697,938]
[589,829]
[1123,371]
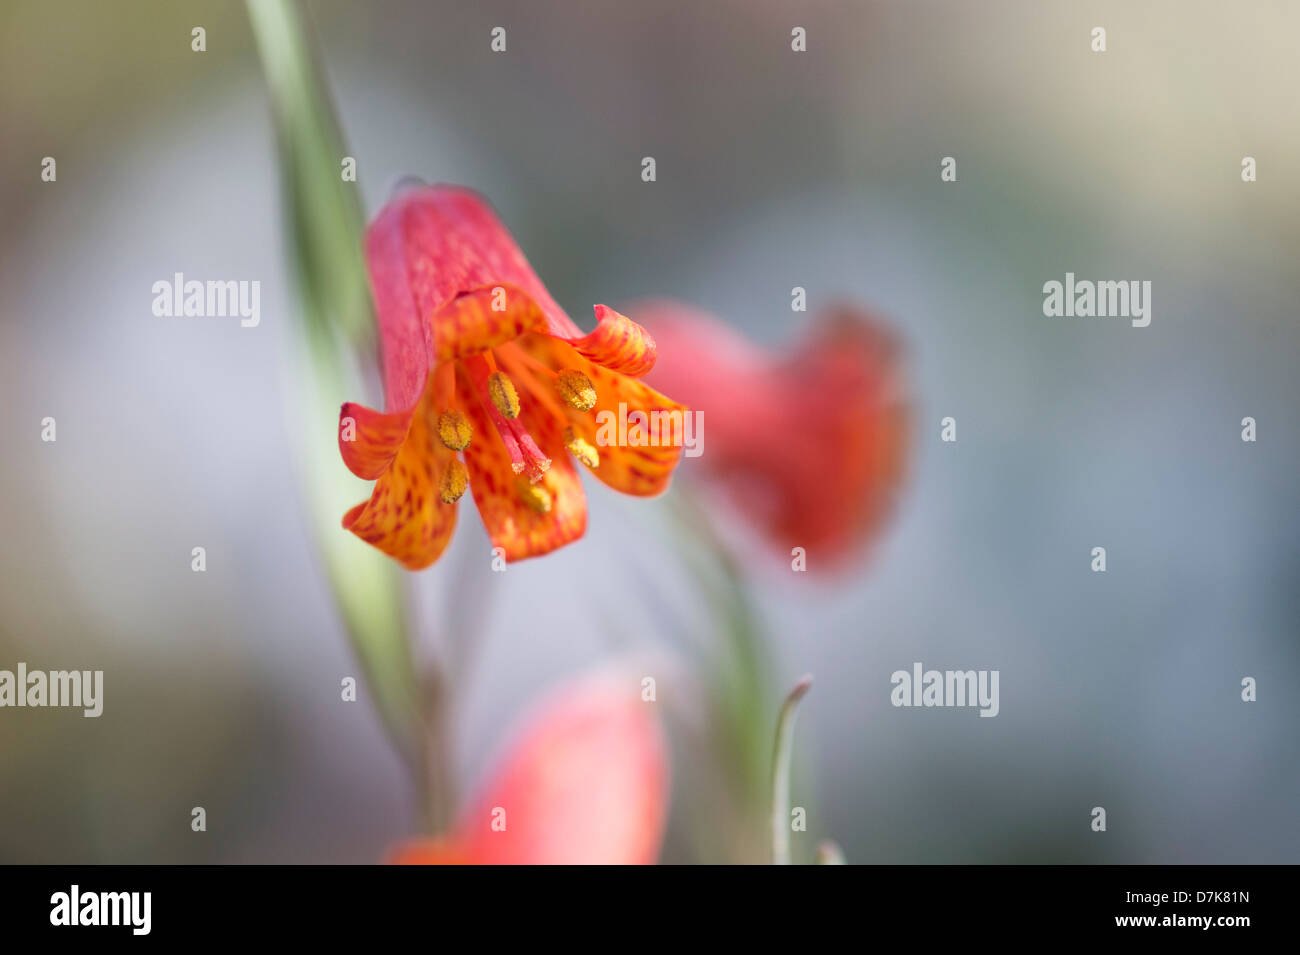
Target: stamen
[580,449]
[529,379]
[576,389]
[454,481]
[535,496]
[525,456]
[502,392]
[454,429]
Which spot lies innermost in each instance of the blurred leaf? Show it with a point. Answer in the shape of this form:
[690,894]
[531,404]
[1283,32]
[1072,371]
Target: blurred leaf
[781,759]
[324,225]
[324,214]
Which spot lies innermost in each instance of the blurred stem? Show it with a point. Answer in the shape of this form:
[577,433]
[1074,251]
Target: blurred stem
[436,787]
[741,676]
[781,756]
[324,223]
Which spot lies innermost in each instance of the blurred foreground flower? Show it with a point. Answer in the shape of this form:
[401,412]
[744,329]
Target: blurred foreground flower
[479,361]
[809,445]
[586,782]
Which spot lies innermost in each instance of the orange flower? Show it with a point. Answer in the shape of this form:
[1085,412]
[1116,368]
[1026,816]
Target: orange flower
[810,445]
[490,387]
[586,782]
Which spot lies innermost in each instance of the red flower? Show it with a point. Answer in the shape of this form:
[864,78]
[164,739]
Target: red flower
[480,364]
[586,782]
[811,444]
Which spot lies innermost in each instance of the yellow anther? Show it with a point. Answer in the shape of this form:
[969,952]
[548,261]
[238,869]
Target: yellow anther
[502,392]
[535,496]
[454,481]
[454,429]
[576,389]
[580,449]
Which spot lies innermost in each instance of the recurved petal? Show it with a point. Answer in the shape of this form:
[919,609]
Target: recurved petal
[369,439]
[616,343]
[626,410]
[405,517]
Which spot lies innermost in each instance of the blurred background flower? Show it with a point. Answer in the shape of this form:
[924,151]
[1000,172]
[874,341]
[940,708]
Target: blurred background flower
[775,169]
[807,448]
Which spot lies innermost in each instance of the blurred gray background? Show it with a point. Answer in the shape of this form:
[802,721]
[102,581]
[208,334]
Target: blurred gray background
[775,169]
